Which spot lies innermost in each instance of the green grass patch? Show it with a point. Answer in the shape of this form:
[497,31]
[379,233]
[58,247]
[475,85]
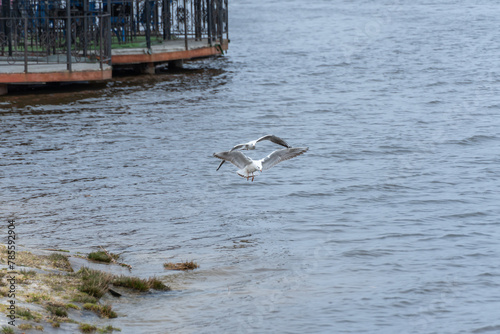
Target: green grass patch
[140,284]
[4,292]
[131,283]
[57,309]
[137,42]
[156,284]
[60,261]
[94,282]
[25,313]
[24,327]
[7,330]
[73,306]
[37,298]
[87,328]
[57,250]
[57,257]
[103,311]
[108,329]
[84,298]
[27,273]
[101,256]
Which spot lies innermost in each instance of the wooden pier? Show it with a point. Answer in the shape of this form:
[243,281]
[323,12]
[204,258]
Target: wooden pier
[37,47]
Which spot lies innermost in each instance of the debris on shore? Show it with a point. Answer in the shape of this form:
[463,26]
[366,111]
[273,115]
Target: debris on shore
[187,265]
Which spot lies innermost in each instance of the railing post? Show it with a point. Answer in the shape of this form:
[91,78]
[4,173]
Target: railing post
[46,26]
[197,19]
[109,25]
[68,34]
[101,40]
[147,12]
[6,13]
[25,44]
[85,25]
[185,26]
[209,19]
[167,18]
[227,20]
[220,12]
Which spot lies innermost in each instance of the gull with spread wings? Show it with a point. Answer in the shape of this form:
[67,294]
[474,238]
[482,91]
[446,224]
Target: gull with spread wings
[251,145]
[248,166]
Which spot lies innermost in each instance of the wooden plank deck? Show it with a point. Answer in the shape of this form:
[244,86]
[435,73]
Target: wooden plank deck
[53,73]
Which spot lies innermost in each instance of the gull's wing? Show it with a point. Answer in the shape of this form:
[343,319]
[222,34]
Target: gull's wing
[235,157]
[281,155]
[237,147]
[274,139]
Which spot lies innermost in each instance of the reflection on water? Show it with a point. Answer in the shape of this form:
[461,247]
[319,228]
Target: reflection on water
[387,224]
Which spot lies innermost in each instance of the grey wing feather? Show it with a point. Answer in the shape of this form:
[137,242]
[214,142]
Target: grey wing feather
[235,157]
[274,139]
[281,155]
[237,147]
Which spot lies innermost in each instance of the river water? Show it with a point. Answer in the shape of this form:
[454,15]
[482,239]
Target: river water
[388,224]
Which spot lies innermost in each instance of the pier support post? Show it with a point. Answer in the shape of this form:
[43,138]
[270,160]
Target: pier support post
[3,89]
[175,63]
[148,68]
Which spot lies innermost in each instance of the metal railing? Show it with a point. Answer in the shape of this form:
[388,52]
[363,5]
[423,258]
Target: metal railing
[33,33]
[161,20]
[74,31]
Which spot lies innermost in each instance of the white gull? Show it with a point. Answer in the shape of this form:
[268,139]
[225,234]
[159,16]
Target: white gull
[248,166]
[251,145]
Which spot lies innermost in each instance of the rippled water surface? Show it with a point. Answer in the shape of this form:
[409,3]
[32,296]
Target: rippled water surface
[388,224]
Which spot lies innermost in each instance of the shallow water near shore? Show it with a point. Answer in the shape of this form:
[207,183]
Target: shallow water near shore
[388,224]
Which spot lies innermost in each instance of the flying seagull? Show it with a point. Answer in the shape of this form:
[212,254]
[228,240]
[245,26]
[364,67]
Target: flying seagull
[251,145]
[248,166]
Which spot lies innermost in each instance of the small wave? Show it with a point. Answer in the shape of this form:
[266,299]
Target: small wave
[437,83]
[366,253]
[454,235]
[308,194]
[487,275]
[466,215]
[400,235]
[83,179]
[435,102]
[494,328]
[477,255]
[472,140]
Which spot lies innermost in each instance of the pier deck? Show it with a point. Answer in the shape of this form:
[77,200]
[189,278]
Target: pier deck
[168,51]
[39,72]
[158,54]
[70,40]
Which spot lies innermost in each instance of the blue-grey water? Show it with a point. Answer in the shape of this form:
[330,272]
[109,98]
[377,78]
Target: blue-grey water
[388,224]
